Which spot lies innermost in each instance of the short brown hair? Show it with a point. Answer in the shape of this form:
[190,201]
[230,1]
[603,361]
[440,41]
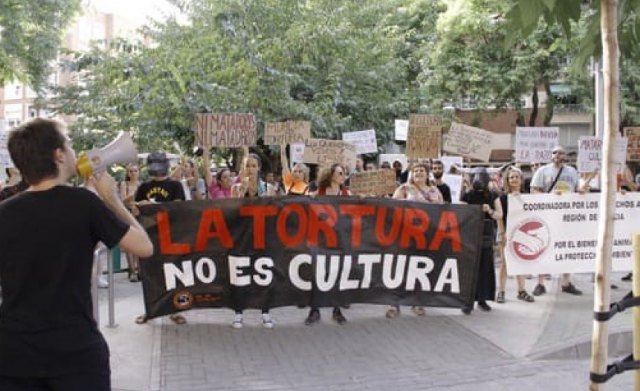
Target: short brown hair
[32,145]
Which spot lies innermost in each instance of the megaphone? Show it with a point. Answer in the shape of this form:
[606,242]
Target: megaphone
[120,150]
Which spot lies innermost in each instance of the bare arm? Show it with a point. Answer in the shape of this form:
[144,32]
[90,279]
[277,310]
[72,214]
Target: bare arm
[284,160]
[206,162]
[136,240]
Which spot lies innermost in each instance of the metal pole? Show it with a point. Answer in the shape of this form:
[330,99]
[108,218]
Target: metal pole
[599,95]
[636,310]
[94,286]
[112,321]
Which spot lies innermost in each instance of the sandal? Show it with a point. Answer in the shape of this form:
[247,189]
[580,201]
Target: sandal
[500,297]
[392,312]
[418,310]
[142,319]
[523,295]
[133,277]
[178,319]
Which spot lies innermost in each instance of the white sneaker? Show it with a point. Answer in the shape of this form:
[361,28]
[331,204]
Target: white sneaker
[267,322]
[237,321]
[102,282]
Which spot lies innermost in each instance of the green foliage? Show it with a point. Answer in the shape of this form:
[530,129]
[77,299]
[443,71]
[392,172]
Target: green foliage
[345,66]
[30,35]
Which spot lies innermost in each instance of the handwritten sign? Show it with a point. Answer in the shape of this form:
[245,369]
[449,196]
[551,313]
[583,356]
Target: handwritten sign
[402,127]
[423,138]
[364,140]
[289,132]
[633,143]
[327,152]
[590,153]
[225,130]
[297,152]
[5,158]
[464,140]
[534,144]
[373,183]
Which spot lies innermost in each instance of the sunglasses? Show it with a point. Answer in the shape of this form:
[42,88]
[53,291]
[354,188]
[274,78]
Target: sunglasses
[558,153]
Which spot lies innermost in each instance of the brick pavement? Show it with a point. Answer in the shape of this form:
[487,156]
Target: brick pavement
[507,349]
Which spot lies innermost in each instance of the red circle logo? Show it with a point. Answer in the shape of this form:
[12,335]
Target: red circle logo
[530,239]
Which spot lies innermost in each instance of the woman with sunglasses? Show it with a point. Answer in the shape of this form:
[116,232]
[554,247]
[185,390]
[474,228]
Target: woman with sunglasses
[128,189]
[418,188]
[330,183]
[512,185]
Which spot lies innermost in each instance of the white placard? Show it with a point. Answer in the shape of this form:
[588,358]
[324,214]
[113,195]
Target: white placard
[590,154]
[468,141]
[364,140]
[402,127]
[455,185]
[449,161]
[5,158]
[297,152]
[392,157]
[534,144]
[552,234]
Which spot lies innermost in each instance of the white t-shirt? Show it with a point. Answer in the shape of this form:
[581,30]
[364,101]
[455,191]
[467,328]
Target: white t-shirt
[544,177]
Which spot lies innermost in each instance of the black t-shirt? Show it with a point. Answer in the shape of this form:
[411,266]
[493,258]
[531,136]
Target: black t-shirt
[161,191]
[445,191]
[46,317]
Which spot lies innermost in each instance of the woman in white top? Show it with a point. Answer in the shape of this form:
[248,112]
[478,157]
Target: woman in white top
[418,188]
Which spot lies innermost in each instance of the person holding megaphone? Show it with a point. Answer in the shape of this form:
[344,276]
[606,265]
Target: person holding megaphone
[48,234]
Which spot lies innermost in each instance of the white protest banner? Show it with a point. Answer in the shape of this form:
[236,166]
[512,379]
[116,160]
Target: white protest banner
[364,140]
[423,137]
[297,152]
[467,141]
[5,158]
[590,153]
[392,157]
[633,144]
[534,144]
[373,183]
[449,161]
[225,130]
[327,152]
[455,185]
[402,127]
[289,132]
[552,234]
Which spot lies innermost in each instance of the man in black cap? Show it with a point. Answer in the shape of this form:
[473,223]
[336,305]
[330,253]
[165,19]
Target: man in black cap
[159,189]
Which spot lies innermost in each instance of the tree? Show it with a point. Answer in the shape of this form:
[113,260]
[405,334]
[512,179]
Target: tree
[30,35]
[476,58]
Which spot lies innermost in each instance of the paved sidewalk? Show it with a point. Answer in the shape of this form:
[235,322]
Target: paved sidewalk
[518,346]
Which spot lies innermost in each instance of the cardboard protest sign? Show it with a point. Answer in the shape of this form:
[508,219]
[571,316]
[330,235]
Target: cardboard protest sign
[547,233]
[327,152]
[364,140]
[534,144]
[373,183]
[297,152]
[590,153]
[633,143]
[402,128]
[423,137]
[284,251]
[289,132]
[225,130]
[468,141]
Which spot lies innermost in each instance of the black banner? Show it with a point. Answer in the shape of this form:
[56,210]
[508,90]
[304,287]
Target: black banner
[326,251]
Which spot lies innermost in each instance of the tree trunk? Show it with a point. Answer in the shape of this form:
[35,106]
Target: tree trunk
[534,102]
[599,344]
[550,104]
